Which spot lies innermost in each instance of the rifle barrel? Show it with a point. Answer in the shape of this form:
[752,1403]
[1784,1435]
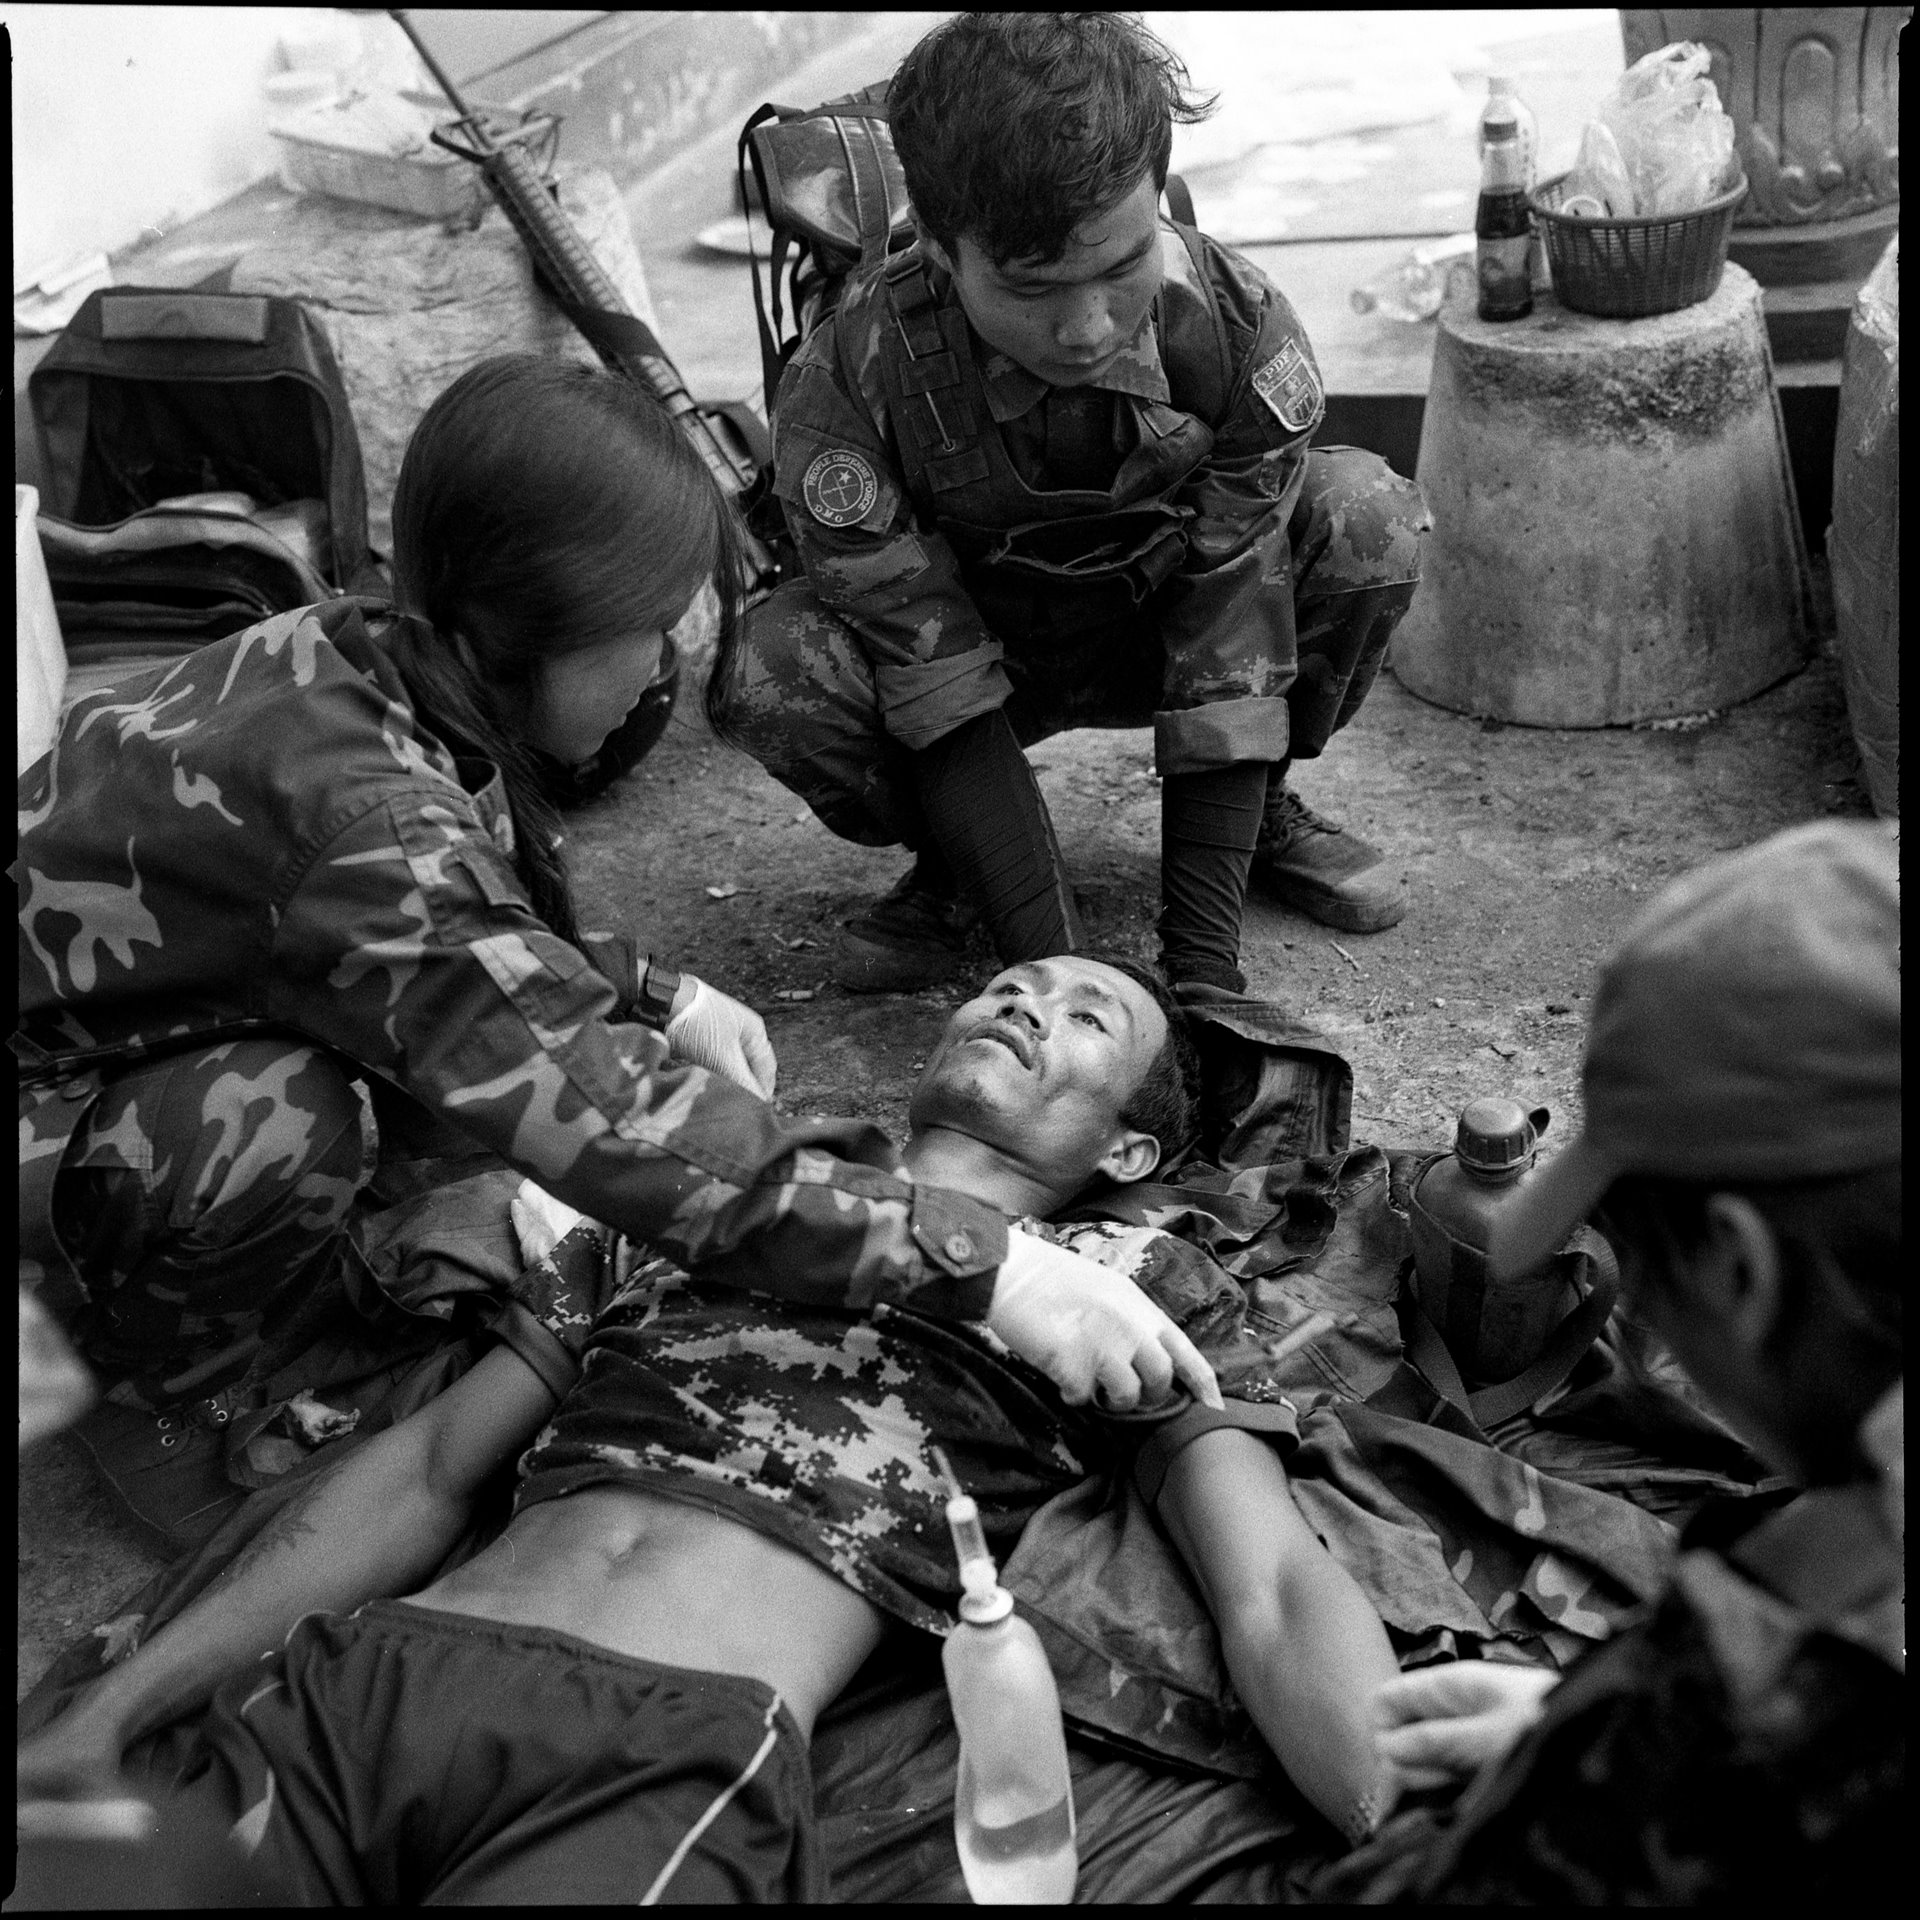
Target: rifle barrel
[433,66]
[568,265]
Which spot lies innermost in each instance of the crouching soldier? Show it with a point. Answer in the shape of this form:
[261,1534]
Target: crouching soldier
[1048,467]
[1746,1743]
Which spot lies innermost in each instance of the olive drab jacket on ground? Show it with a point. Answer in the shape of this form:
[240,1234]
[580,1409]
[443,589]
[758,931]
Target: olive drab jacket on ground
[1742,1743]
[947,504]
[261,838]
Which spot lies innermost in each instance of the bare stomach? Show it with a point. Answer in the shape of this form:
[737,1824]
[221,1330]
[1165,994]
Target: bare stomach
[661,1580]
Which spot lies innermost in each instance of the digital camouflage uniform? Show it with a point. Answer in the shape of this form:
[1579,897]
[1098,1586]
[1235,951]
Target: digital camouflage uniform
[817,1425]
[1161,547]
[248,878]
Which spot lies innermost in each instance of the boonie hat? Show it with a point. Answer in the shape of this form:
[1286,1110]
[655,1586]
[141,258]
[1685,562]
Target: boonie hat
[1747,1028]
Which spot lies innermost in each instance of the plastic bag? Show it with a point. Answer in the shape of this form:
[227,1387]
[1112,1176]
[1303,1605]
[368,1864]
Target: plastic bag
[1599,183]
[1673,137]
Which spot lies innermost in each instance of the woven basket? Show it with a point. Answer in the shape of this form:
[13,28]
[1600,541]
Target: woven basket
[1628,268]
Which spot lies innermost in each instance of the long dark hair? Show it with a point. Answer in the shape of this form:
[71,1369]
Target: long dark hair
[543,506]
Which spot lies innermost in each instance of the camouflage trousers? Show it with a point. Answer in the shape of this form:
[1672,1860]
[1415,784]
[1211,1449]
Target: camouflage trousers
[203,1203]
[800,694]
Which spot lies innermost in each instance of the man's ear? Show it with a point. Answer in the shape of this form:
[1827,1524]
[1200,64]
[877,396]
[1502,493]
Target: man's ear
[1131,1157]
[1739,1281]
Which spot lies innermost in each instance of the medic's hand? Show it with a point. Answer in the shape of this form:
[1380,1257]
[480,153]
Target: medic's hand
[1439,1724]
[709,1029]
[1086,1328]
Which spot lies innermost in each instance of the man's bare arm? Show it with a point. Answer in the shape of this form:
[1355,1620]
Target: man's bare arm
[375,1526]
[1304,1646]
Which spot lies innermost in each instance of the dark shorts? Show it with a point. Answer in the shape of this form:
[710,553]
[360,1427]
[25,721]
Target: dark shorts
[398,1756]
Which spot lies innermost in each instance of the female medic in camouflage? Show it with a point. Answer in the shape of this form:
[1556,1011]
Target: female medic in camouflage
[316,857]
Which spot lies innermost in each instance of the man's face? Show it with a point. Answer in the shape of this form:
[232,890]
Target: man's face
[1065,322]
[1039,1067]
[1717,1310]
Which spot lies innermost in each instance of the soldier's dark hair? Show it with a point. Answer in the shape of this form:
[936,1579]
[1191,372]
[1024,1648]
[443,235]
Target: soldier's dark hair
[1166,1103]
[543,506]
[1014,128]
[1839,1240]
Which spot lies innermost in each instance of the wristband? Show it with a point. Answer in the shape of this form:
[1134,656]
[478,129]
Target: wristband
[659,988]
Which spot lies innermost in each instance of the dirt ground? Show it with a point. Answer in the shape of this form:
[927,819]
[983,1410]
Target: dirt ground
[1526,852]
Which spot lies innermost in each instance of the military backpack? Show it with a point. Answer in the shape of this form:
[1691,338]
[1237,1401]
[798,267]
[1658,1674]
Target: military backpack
[831,188]
[200,470]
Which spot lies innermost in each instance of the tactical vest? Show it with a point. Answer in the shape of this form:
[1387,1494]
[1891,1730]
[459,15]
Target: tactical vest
[1047,565]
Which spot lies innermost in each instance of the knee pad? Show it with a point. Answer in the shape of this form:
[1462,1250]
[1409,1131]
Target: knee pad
[1371,519]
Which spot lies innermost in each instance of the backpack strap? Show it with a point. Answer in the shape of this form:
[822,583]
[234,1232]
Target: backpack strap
[772,361]
[873,195]
[1197,351]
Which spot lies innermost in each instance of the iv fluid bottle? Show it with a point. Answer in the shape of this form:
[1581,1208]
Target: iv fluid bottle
[1013,1802]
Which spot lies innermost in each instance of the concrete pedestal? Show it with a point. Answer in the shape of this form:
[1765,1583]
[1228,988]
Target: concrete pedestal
[1615,536]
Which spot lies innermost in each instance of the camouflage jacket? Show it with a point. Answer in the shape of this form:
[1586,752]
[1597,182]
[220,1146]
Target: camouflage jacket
[1744,1743]
[260,837]
[1221,366]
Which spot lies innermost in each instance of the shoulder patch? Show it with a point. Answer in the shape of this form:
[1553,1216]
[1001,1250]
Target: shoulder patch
[840,487]
[1290,388]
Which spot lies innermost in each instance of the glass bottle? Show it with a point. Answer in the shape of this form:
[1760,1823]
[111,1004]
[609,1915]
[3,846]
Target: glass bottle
[1503,226]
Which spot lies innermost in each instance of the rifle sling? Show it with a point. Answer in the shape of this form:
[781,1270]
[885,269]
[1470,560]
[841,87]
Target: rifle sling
[623,334]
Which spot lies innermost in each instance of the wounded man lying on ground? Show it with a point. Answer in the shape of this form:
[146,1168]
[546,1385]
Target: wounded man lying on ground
[713,1530]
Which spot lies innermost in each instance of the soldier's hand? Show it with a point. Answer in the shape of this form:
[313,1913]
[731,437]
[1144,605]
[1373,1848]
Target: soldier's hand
[1439,1724]
[710,1029]
[1090,1329]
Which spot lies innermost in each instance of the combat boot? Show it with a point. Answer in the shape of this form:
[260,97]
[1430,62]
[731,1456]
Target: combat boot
[1322,870]
[167,1471]
[913,937]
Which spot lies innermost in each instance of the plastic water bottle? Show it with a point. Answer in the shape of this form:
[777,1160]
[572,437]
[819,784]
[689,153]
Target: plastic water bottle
[1504,103]
[1417,287]
[1013,1802]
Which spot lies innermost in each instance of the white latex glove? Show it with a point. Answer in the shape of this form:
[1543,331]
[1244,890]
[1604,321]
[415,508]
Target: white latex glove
[1439,1724]
[1088,1328]
[540,1221]
[709,1029]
